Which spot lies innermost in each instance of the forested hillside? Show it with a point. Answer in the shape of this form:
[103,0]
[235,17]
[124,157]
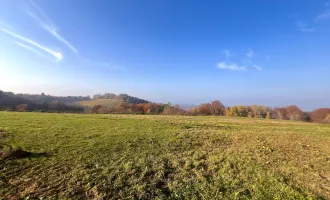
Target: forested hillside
[42,98]
[12,102]
[122,97]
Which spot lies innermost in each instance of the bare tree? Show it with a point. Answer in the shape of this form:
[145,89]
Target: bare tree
[218,108]
[320,115]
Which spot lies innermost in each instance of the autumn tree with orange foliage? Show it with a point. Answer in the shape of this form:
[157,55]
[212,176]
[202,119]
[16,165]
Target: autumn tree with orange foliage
[205,109]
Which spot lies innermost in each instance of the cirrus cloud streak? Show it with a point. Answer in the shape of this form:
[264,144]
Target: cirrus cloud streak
[57,55]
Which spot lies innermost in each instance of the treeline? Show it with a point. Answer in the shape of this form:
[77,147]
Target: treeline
[121,97]
[42,98]
[146,108]
[292,112]
[216,108]
[12,102]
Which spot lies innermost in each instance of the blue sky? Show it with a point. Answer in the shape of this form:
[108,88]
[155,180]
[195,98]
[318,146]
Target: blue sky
[274,53]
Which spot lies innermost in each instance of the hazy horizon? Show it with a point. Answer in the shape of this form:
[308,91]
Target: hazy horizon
[251,52]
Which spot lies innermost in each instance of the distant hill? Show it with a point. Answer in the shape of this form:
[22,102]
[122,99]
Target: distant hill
[111,100]
[187,106]
[103,102]
[121,97]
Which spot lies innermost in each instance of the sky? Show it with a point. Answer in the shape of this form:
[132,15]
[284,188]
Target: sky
[270,52]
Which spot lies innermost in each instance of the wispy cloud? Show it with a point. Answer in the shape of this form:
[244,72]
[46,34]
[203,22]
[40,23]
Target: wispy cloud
[230,66]
[227,53]
[248,57]
[247,62]
[257,67]
[323,16]
[303,27]
[28,48]
[47,25]
[57,55]
[327,3]
[249,54]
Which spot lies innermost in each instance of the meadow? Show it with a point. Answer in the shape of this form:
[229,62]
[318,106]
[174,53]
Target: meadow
[103,102]
[81,156]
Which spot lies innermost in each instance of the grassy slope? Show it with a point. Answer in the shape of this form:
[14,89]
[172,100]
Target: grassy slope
[129,156]
[103,102]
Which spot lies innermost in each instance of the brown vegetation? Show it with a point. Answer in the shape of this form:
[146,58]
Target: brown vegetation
[147,108]
[321,115]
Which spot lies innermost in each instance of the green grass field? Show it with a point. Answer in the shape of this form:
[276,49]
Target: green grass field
[103,102]
[163,157]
